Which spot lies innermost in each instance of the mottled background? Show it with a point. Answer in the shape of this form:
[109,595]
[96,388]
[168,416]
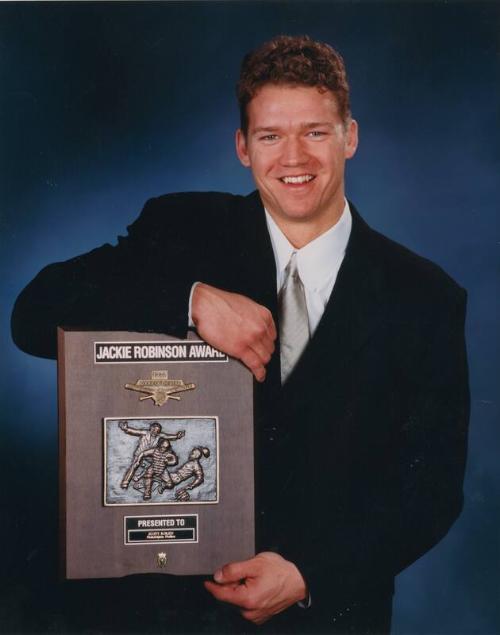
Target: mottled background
[104,105]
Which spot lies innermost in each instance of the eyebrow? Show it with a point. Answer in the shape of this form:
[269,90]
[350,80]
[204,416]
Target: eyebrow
[265,129]
[318,124]
[303,126]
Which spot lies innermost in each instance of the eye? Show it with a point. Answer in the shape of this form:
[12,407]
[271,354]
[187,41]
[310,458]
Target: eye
[269,137]
[316,134]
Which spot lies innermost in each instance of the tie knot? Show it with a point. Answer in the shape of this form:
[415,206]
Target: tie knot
[292,263]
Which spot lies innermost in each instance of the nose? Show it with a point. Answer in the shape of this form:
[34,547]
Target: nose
[293,152]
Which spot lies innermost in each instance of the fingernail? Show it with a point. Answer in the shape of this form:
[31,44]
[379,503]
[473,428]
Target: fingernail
[218,575]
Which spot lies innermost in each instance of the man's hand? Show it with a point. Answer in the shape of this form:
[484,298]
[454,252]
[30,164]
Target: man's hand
[261,587]
[235,325]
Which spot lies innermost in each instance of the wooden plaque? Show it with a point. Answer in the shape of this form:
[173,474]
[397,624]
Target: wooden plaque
[156,455]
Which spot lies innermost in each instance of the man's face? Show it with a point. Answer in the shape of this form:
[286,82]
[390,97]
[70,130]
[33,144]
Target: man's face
[155,429]
[296,146]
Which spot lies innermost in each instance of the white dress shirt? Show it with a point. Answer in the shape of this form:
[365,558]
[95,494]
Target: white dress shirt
[318,262]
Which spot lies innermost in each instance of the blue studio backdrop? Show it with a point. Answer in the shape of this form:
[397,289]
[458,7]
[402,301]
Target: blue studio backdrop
[104,105]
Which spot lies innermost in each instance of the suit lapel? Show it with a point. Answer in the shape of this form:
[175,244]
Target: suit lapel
[258,273]
[351,316]
[288,418]
[257,280]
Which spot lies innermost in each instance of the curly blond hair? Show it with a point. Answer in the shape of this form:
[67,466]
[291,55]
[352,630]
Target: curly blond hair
[296,61]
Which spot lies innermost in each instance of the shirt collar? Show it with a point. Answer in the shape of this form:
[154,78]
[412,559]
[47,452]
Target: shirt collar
[317,261]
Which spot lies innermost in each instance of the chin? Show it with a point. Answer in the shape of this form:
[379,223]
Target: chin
[297,213]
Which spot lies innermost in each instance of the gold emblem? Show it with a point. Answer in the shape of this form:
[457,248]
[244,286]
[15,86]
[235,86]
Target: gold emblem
[160,388]
[161,559]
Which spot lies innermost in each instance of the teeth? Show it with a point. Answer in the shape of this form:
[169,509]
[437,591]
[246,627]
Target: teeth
[305,178]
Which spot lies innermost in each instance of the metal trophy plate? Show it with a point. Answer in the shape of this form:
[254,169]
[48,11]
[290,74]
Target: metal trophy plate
[156,455]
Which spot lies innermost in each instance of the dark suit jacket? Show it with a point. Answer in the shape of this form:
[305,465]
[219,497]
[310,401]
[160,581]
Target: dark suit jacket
[361,454]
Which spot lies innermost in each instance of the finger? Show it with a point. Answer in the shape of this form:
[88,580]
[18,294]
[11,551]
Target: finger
[259,333]
[270,326]
[237,571]
[254,363]
[212,586]
[263,350]
[231,593]
[267,322]
[268,341]
[214,589]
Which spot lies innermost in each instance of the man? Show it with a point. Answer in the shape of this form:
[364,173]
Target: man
[369,364]
[149,439]
[191,469]
[161,458]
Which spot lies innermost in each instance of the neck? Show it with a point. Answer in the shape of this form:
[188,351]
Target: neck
[301,232]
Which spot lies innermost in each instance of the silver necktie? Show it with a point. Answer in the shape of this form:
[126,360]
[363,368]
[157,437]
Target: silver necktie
[294,322]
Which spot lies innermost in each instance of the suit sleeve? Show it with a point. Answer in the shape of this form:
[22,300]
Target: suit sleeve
[141,284]
[394,528]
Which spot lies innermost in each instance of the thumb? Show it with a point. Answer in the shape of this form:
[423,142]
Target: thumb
[234,572]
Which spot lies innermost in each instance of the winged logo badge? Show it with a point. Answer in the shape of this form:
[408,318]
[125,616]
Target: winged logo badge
[160,388]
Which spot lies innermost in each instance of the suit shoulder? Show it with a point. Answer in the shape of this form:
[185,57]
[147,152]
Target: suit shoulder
[194,202]
[186,218]
[189,198]
[412,274]
[185,210]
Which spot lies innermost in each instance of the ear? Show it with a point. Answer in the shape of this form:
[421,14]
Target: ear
[351,139]
[241,148]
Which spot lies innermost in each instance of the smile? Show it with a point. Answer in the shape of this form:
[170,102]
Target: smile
[303,178]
